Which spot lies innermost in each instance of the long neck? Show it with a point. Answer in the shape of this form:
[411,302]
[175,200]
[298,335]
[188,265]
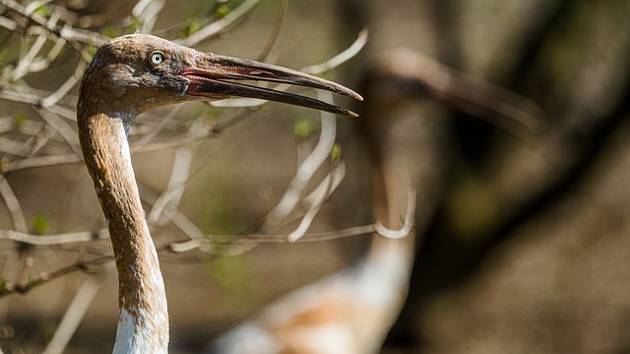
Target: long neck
[386,270]
[143,317]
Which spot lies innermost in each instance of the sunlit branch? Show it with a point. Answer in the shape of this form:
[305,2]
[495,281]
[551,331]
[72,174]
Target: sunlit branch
[215,28]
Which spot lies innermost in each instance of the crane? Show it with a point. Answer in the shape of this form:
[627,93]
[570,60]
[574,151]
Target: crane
[348,312]
[352,310]
[128,76]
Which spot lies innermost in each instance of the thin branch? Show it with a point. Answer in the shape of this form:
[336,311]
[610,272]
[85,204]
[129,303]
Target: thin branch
[13,204]
[339,59]
[149,14]
[215,28]
[308,168]
[23,65]
[10,289]
[66,86]
[165,206]
[466,92]
[68,133]
[74,315]
[408,223]
[12,147]
[58,239]
[284,7]
[42,161]
[317,199]
[187,246]
[66,32]
[182,222]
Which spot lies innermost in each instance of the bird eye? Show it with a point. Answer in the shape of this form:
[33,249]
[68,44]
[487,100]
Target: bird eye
[157,58]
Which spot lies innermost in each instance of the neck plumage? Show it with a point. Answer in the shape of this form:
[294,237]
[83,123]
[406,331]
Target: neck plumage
[143,317]
[385,271]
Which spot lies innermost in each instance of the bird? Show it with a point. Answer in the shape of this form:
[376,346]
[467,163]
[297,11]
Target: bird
[126,77]
[352,310]
[348,312]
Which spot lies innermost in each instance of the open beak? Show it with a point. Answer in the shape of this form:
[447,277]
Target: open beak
[215,76]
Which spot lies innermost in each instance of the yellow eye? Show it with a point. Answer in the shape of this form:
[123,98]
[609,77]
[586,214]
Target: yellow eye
[157,58]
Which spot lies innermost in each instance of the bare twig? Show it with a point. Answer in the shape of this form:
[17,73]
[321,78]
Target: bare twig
[407,225]
[165,206]
[48,240]
[66,32]
[44,278]
[215,28]
[74,314]
[341,58]
[467,92]
[308,168]
[66,86]
[284,6]
[43,161]
[317,199]
[13,204]
[68,133]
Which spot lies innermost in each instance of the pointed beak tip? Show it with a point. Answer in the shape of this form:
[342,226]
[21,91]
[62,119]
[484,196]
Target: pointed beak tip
[350,93]
[352,114]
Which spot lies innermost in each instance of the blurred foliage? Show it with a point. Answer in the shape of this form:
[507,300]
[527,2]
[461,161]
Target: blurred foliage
[40,224]
[235,279]
[42,10]
[336,153]
[19,118]
[304,127]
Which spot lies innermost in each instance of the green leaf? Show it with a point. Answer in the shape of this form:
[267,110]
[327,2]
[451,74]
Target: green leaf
[42,10]
[111,31]
[212,113]
[336,153]
[193,26]
[4,163]
[91,50]
[222,11]
[304,127]
[40,224]
[135,25]
[19,118]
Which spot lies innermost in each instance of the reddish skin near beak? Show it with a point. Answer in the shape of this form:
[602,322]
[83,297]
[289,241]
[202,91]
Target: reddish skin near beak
[141,71]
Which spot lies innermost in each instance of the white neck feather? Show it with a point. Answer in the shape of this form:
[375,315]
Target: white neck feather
[383,275]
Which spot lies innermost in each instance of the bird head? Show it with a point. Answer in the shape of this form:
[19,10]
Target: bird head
[139,71]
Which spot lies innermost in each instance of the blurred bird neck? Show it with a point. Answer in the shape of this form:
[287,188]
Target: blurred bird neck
[143,318]
[388,266]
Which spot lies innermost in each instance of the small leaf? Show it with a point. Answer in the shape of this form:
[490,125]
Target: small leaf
[40,224]
[4,163]
[193,26]
[111,31]
[336,153]
[135,25]
[91,50]
[19,118]
[304,127]
[222,11]
[211,113]
[42,10]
